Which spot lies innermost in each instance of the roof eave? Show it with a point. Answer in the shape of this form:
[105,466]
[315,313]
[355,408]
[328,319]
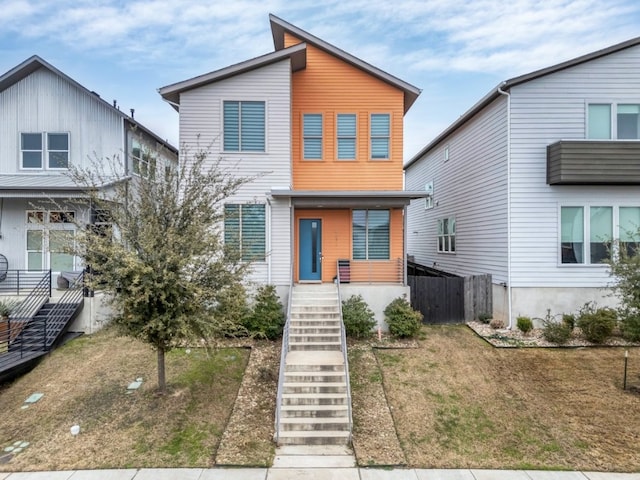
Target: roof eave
[297,54]
[280,26]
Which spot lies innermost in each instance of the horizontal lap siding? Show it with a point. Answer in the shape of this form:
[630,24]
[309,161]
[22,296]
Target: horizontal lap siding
[544,111]
[45,102]
[472,186]
[201,129]
[330,86]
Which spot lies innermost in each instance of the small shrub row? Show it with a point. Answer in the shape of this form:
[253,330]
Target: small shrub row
[403,321]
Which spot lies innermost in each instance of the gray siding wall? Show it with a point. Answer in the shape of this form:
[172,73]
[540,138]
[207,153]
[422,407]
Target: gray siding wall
[45,102]
[472,186]
[544,111]
[201,129]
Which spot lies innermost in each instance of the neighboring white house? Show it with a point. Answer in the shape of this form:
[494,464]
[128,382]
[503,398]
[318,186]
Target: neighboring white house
[50,122]
[533,182]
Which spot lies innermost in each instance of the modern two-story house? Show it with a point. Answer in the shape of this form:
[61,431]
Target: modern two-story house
[322,133]
[49,122]
[533,184]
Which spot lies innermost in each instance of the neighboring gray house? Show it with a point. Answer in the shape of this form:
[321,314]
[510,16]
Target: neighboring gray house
[533,182]
[49,122]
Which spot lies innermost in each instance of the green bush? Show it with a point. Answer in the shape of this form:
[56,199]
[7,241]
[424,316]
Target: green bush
[597,324]
[230,312]
[630,325]
[485,317]
[358,317]
[403,320]
[267,318]
[524,324]
[556,332]
[569,319]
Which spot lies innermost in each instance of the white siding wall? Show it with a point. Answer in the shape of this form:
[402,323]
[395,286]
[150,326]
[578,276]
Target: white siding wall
[45,102]
[544,111]
[472,186]
[201,128]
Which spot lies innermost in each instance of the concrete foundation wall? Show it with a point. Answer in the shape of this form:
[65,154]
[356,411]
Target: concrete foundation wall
[376,296]
[95,315]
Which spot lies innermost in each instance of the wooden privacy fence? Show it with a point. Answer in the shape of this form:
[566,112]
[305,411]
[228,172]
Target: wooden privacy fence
[451,299]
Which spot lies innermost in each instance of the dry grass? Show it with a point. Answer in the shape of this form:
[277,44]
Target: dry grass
[85,383]
[459,403]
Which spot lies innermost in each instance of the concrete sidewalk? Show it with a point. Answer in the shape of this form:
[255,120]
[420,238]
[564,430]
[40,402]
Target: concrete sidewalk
[312,474]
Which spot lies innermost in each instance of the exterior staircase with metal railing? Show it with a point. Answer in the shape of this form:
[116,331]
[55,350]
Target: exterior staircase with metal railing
[314,397]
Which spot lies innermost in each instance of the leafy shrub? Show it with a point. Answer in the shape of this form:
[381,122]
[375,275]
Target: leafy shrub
[569,319]
[403,320]
[267,317]
[524,324]
[596,323]
[485,317]
[358,317]
[556,332]
[230,312]
[630,325]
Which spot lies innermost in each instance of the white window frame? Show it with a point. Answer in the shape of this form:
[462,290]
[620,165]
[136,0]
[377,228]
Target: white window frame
[446,237]
[47,222]
[445,153]
[266,127]
[586,209]
[45,151]
[144,161]
[613,121]
[428,200]
[313,137]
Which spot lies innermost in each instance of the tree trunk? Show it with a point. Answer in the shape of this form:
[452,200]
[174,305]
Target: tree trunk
[162,381]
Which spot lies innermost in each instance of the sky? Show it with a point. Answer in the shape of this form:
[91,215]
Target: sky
[455,51]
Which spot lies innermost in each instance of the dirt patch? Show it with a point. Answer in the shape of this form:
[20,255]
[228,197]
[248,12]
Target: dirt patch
[85,383]
[374,436]
[248,437]
[457,402]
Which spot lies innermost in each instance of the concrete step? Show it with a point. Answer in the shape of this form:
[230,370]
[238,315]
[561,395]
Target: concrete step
[315,321]
[321,460]
[313,337]
[315,346]
[314,411]
[313,424]
[298,299]
[314,387]
[320,329]
[314,399]
[315,309]
[331,376]
[314,438]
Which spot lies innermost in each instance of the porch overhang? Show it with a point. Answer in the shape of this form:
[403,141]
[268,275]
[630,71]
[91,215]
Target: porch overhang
[348,198]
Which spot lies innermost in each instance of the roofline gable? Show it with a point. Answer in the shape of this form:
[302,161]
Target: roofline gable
[512,82]
[34,63]
[280,26]
[297,54]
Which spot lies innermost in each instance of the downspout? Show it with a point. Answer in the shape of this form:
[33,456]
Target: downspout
[508,95]
[269,240]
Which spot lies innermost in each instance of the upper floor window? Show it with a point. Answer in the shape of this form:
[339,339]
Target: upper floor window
[613,121]
[44,150]
[244,229]
[244,126]
[370,234]
[143,163]
[312,136]
[447,234]
[380,132]
[346,132]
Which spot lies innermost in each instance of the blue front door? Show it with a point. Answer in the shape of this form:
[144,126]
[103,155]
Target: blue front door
[310,249]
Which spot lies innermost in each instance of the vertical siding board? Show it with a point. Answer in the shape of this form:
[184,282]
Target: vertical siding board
[45,102]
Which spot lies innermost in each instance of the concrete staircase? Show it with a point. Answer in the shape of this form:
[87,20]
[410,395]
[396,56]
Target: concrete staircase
[315,401]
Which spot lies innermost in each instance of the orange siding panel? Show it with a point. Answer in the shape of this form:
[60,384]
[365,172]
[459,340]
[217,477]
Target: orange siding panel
[330,86]
[337,244]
